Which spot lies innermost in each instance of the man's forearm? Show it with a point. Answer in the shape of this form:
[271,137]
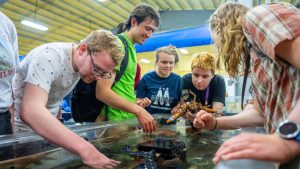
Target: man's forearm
[46,125]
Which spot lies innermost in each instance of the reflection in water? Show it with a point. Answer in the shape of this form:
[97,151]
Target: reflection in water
[200,149]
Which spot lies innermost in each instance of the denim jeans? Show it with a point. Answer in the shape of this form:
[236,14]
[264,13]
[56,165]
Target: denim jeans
[5,123]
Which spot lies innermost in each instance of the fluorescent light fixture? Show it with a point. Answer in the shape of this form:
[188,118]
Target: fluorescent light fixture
[34,25]
[145,60]
[102,0]
[184,51]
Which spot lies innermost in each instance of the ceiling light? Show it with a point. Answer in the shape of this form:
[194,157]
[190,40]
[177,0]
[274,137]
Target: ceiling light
[184,51]
[145,60]
[34,25]
[102,0]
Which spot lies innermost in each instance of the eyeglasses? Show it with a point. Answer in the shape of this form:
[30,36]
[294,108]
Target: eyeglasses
[98,72]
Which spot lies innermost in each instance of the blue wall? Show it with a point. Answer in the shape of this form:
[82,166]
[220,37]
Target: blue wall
[21,58]
[180,38]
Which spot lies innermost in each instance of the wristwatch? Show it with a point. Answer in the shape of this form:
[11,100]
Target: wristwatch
[289,130]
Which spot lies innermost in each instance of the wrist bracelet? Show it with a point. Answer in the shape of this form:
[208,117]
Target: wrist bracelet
[216,124]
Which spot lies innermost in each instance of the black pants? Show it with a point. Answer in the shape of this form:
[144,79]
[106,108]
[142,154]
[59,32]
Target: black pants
[5,123]
[292,164]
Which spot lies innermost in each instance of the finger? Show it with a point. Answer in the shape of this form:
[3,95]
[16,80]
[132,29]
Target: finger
[227,146]
[206,117]
[148,127]
[235,147]
[148,101]
[145,104]
[245,138]
[227,149]
[97,78]
[190,115]
[198,124]
[115,162]
[198,116]
[108,166]
[190,118]
[198,121]
[242,154]
[154,126]
[142,104]
[216,159]
[237,139]
[185,116]
[146,130]
[112,165]
[201,112]
[144,126]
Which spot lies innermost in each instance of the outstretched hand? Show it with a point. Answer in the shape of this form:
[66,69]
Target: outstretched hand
[146,120]
[94,159]
[259,147]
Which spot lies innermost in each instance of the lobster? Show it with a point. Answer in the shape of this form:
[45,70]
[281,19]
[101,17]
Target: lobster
[192,107]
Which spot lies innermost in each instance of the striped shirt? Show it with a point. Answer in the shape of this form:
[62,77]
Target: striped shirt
[276,83]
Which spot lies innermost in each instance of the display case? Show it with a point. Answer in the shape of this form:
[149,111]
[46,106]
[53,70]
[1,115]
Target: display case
[32,151]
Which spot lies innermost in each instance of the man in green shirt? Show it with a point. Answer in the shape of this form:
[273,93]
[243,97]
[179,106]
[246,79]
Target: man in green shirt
[121,98]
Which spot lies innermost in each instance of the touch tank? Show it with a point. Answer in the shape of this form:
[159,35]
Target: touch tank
[31,151]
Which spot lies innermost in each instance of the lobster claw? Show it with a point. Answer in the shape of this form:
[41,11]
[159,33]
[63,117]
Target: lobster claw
[174,117]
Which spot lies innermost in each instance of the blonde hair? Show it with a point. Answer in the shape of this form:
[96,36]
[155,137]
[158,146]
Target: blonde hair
[227,23]
[171,50]
[204,61]
[102,40]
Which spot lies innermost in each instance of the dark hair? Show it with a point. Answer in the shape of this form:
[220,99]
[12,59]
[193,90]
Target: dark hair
[140,13]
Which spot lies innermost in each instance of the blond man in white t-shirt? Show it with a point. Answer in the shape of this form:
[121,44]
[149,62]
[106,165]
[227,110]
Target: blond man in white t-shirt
[48,73]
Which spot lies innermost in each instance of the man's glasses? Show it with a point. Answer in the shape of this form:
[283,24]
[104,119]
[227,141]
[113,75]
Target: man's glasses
[98,72]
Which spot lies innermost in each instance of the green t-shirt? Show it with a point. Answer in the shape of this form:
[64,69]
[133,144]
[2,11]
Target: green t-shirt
[125,86]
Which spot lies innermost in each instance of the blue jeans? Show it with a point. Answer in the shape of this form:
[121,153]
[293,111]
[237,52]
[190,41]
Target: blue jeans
[5,123]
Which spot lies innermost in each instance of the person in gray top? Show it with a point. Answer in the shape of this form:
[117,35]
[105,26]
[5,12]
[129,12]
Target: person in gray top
[9,62]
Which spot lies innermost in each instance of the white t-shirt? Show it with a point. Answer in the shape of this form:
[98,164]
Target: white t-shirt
[48,66]
[9,60]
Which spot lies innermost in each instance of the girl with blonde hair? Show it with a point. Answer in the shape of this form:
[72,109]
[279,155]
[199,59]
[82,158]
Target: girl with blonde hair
[161,87]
